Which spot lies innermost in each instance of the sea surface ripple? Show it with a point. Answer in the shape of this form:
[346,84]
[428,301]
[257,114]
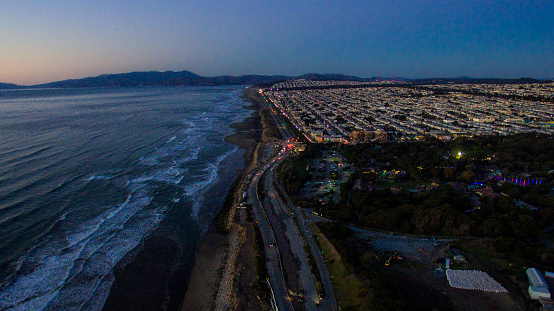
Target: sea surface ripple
[87,174]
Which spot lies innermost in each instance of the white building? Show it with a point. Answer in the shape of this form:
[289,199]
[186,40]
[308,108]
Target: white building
[538,288]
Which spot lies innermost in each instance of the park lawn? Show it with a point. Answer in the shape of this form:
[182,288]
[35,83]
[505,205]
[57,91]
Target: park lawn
[351,293]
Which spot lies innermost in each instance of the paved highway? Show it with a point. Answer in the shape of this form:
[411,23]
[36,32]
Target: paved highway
[295,239]
[294,234]
[328,303]
[273,263]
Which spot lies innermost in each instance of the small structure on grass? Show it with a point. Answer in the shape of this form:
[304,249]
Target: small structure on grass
[456,255]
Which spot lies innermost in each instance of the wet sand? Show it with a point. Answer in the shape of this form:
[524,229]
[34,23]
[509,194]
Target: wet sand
[161,261]
[153,265]
[214,250]
[206,274]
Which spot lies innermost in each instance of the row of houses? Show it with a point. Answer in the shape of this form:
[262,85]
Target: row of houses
[354,114]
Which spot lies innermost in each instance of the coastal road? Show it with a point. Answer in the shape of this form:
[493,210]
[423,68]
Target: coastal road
[281,125]
[311,298]
[328,302]
[273,263]
[293,232]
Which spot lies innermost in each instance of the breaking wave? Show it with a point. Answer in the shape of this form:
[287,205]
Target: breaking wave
[71,268]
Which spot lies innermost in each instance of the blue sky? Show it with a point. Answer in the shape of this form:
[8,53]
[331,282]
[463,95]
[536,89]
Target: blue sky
[59,39]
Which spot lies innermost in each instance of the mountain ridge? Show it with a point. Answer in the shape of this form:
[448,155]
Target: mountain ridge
[10,86]
[183,78]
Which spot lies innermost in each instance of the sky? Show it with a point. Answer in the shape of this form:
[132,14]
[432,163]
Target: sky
[46,41]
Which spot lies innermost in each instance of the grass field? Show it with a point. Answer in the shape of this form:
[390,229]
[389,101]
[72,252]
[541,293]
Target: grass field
[351,292]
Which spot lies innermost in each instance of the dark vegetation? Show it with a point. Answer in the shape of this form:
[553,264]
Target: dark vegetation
[8,86]
[441,211]
[384,295]
[222,221]
[167,78]
[435,191]
[293,173]
[435,159]
[271,132]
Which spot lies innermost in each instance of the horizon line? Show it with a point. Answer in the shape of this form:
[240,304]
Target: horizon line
[283,75]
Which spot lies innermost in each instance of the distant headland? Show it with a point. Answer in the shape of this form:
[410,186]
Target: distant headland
[183,78]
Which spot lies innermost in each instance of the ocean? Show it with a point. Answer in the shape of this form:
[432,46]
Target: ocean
[105,192]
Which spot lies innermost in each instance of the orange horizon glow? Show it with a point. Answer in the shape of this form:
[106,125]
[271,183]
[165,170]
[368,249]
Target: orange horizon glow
[48,41]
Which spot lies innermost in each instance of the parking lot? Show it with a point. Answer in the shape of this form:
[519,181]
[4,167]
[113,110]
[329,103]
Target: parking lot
[328,173]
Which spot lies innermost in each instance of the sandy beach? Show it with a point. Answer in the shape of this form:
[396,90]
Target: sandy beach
[224,263]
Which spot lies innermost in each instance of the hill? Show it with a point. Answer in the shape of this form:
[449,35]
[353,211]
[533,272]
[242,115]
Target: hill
[6,86]
[172,78]
[181,78]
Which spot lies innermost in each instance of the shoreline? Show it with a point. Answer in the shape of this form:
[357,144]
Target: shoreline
[183,269]
[211,281]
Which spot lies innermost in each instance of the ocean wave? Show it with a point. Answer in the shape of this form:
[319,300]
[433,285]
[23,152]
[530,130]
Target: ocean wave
[171,139]
[185,150]
[173,175]
[99,177]
[21,172]
[72,266]
[20,155]
[84,286]
[13,205]
[207,178]
[197,190]
[74,261]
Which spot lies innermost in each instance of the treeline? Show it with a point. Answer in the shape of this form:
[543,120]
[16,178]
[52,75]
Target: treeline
[441,211]
[416,207]
[295,172]
[461,159]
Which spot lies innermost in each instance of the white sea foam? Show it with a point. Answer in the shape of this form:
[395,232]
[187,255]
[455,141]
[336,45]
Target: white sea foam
[171,139]
[149,160]
[174,151]
[58,265]
[197,190]
[171,175]
[109,254]
[206,179]
[193,156]
[99,177]
[71,269]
